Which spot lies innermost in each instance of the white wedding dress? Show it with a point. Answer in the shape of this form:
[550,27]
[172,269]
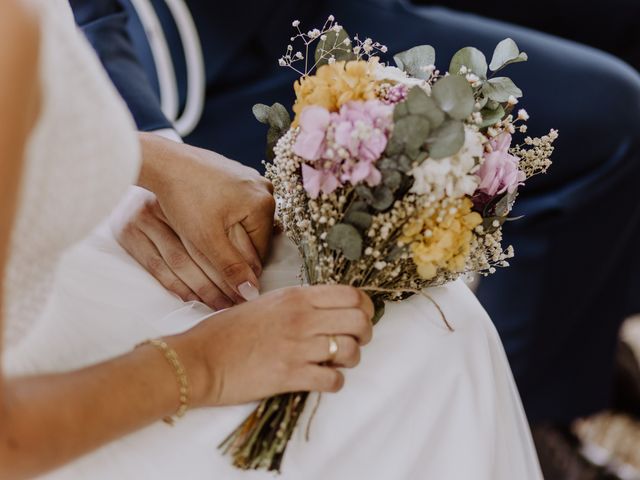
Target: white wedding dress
[425,403]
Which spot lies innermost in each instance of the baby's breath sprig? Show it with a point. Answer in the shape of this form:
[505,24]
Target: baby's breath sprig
[333,44]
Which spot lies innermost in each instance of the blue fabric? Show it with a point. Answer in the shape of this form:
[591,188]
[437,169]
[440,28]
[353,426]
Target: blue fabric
[559,307]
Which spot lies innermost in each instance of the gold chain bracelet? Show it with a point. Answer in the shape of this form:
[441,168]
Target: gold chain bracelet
[181,375]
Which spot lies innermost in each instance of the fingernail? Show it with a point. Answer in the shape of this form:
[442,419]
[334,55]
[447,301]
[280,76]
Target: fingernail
[248,291]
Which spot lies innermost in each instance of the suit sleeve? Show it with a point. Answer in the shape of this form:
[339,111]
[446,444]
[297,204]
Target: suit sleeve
[104,23]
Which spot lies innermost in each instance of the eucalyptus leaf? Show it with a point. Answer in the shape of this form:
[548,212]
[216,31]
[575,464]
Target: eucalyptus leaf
[365,193]
[491,117]
[382,198]
[419,103]
[454,95]
[394,147]
[500,89]
[333,45]
[506,52]
[347,239]
[261,112]
[405,163]
[400,110]
[361,220]
[446,140]
[273,135]
[391,179]
[472,58]
[411,131]
[415,59]
[278,117]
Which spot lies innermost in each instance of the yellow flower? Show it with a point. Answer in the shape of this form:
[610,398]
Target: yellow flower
[335,84]
[441,243]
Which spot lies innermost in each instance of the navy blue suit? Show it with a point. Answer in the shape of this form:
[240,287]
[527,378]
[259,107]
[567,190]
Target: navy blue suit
[559,307]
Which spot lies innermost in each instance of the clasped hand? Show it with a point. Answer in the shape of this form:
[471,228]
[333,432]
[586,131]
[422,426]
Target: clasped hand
[205,230]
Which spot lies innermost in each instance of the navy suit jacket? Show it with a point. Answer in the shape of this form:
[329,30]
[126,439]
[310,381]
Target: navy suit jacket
[240,42]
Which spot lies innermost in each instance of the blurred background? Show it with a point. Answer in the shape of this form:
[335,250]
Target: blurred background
[610,439]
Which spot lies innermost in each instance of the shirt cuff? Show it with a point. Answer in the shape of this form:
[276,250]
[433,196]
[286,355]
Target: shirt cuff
[168,133]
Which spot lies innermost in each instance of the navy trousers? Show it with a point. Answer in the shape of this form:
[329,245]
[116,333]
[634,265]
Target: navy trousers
[559,307]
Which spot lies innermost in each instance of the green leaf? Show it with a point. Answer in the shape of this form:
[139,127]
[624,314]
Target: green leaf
[419,103]
[500,89]
[391,179]
[411,131]
[505,204]
[275,116]
[378,312]
[413,60]
[472,58]
[506,52]
[273,135]
[279,117]
[454,95]
[382,198]
[346,239]
[261,112]
[334,46]
[491,117]
[361,220]
[446,140]
[489,227]
[400,110]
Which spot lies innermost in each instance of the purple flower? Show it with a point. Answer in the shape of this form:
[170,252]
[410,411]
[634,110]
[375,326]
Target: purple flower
[315,181]
[499,171]
[310,143]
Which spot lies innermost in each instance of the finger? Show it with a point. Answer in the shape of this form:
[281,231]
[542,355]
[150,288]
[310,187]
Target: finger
[353,322]
[140,247]
[182,265]
[318,350]
[227,261]
[241,239]
[211,272]
[338,296]
[315,378]
[259,225]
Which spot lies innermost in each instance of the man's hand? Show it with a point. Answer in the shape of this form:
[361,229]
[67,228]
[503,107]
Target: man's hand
[210,222]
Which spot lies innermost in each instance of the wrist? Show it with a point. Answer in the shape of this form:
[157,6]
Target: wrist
[162,162]
[192,356]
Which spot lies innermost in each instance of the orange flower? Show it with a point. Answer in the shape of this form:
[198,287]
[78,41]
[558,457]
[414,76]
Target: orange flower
[335,84]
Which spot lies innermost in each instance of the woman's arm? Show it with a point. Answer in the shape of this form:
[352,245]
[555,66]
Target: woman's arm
[275,344]
[45,421]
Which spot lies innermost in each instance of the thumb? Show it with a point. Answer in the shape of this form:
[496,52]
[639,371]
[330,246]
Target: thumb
[230,263]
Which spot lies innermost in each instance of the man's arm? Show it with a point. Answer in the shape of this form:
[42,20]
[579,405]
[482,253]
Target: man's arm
[104,22]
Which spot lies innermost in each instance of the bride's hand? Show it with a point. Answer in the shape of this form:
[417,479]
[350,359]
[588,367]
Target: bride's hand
[275,344]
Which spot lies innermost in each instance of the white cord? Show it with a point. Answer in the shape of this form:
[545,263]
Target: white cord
[196,79]
[161,57]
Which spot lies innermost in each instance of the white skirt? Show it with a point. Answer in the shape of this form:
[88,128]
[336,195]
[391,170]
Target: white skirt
[425,403]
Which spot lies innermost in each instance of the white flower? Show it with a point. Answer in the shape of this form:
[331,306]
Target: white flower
[394,74]
[451,176]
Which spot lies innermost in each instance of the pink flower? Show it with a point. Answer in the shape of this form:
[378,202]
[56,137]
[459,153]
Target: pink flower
[347,143]
[310,143]
[499,171]
[315,181]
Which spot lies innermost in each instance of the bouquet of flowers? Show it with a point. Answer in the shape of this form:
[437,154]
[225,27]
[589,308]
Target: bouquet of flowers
[392,179]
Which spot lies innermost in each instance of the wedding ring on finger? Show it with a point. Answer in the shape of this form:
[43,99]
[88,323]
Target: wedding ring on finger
[333,348]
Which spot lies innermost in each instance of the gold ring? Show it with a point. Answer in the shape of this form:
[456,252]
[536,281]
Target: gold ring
[333,348]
